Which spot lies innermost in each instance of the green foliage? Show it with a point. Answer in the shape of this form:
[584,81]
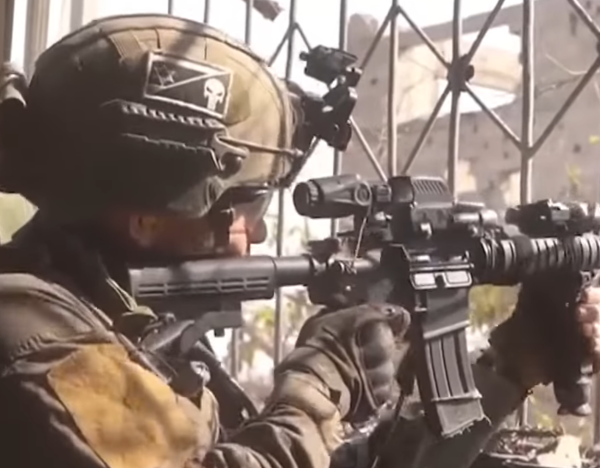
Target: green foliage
[302,231]
[574,183]
[264,317]
[539,415]
[257,334]
[259,327]
[489,305]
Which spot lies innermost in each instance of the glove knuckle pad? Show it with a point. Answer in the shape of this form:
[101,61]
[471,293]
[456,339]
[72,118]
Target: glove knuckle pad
[377,344]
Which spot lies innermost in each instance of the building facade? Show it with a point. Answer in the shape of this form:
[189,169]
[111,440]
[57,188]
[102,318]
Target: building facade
[569,162]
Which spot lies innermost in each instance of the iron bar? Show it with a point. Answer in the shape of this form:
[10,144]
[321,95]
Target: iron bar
[278,332]
[392,12]
[367,149]
[426,129]
[456,77]
[528,84]
[586,18]
[77,14]
[377,39]
[170,7]
[206,11]
[248,22]
[527,121]
[487,24]
[503,126]
[596,417]
[36,32]
[303,35]
[288,32]
[397,9]
[7,19]
[392,117]
[237,335]
[583,82]
[342,44]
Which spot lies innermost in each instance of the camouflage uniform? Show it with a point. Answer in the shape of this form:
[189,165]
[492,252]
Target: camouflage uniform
[79,399]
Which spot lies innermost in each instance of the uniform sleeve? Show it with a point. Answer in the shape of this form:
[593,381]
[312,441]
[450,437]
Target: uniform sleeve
[299,428]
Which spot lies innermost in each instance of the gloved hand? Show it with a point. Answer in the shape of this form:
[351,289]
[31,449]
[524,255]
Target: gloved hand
[530,345]
[353,352]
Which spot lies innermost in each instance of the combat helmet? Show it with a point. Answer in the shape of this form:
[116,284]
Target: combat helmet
[151,113]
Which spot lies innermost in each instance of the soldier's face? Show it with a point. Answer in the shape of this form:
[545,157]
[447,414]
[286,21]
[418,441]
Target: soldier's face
[183,237]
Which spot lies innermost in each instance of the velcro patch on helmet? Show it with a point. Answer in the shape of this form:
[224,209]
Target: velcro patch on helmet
[198,86]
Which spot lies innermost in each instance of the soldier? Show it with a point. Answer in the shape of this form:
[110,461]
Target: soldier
[150,139]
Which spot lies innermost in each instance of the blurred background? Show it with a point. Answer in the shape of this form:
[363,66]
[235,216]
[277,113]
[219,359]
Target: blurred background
[500,143]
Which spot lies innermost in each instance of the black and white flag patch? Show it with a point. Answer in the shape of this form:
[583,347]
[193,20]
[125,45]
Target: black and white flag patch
[198,86]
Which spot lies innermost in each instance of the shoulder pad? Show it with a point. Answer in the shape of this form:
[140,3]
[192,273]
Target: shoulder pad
[35,314]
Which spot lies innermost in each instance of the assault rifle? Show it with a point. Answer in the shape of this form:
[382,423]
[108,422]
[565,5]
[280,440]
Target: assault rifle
[411,244]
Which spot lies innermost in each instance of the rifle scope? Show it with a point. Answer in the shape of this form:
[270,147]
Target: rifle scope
[553,232]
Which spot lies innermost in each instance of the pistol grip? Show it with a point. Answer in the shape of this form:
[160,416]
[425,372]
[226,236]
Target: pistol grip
[571,374]
[574,397]
[573,385]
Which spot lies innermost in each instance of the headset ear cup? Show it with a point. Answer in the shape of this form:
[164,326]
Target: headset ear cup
[15,130]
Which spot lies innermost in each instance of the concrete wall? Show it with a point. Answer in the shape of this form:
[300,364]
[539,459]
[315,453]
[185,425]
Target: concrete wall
[490,162]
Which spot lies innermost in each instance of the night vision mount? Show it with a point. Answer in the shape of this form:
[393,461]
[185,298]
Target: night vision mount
[325,117]
[328,117]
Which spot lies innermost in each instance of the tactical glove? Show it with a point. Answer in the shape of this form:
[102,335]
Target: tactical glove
[543,340]
[352,352]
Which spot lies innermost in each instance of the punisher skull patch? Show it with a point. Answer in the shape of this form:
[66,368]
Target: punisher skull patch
[199,86]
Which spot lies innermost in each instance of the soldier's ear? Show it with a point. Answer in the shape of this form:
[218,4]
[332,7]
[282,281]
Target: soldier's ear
[259,233]
[144,229]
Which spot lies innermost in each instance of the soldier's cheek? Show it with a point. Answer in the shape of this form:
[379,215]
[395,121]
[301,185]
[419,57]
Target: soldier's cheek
[238,244]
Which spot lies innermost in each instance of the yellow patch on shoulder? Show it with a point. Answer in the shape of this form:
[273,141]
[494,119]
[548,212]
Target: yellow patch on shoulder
[127,415]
